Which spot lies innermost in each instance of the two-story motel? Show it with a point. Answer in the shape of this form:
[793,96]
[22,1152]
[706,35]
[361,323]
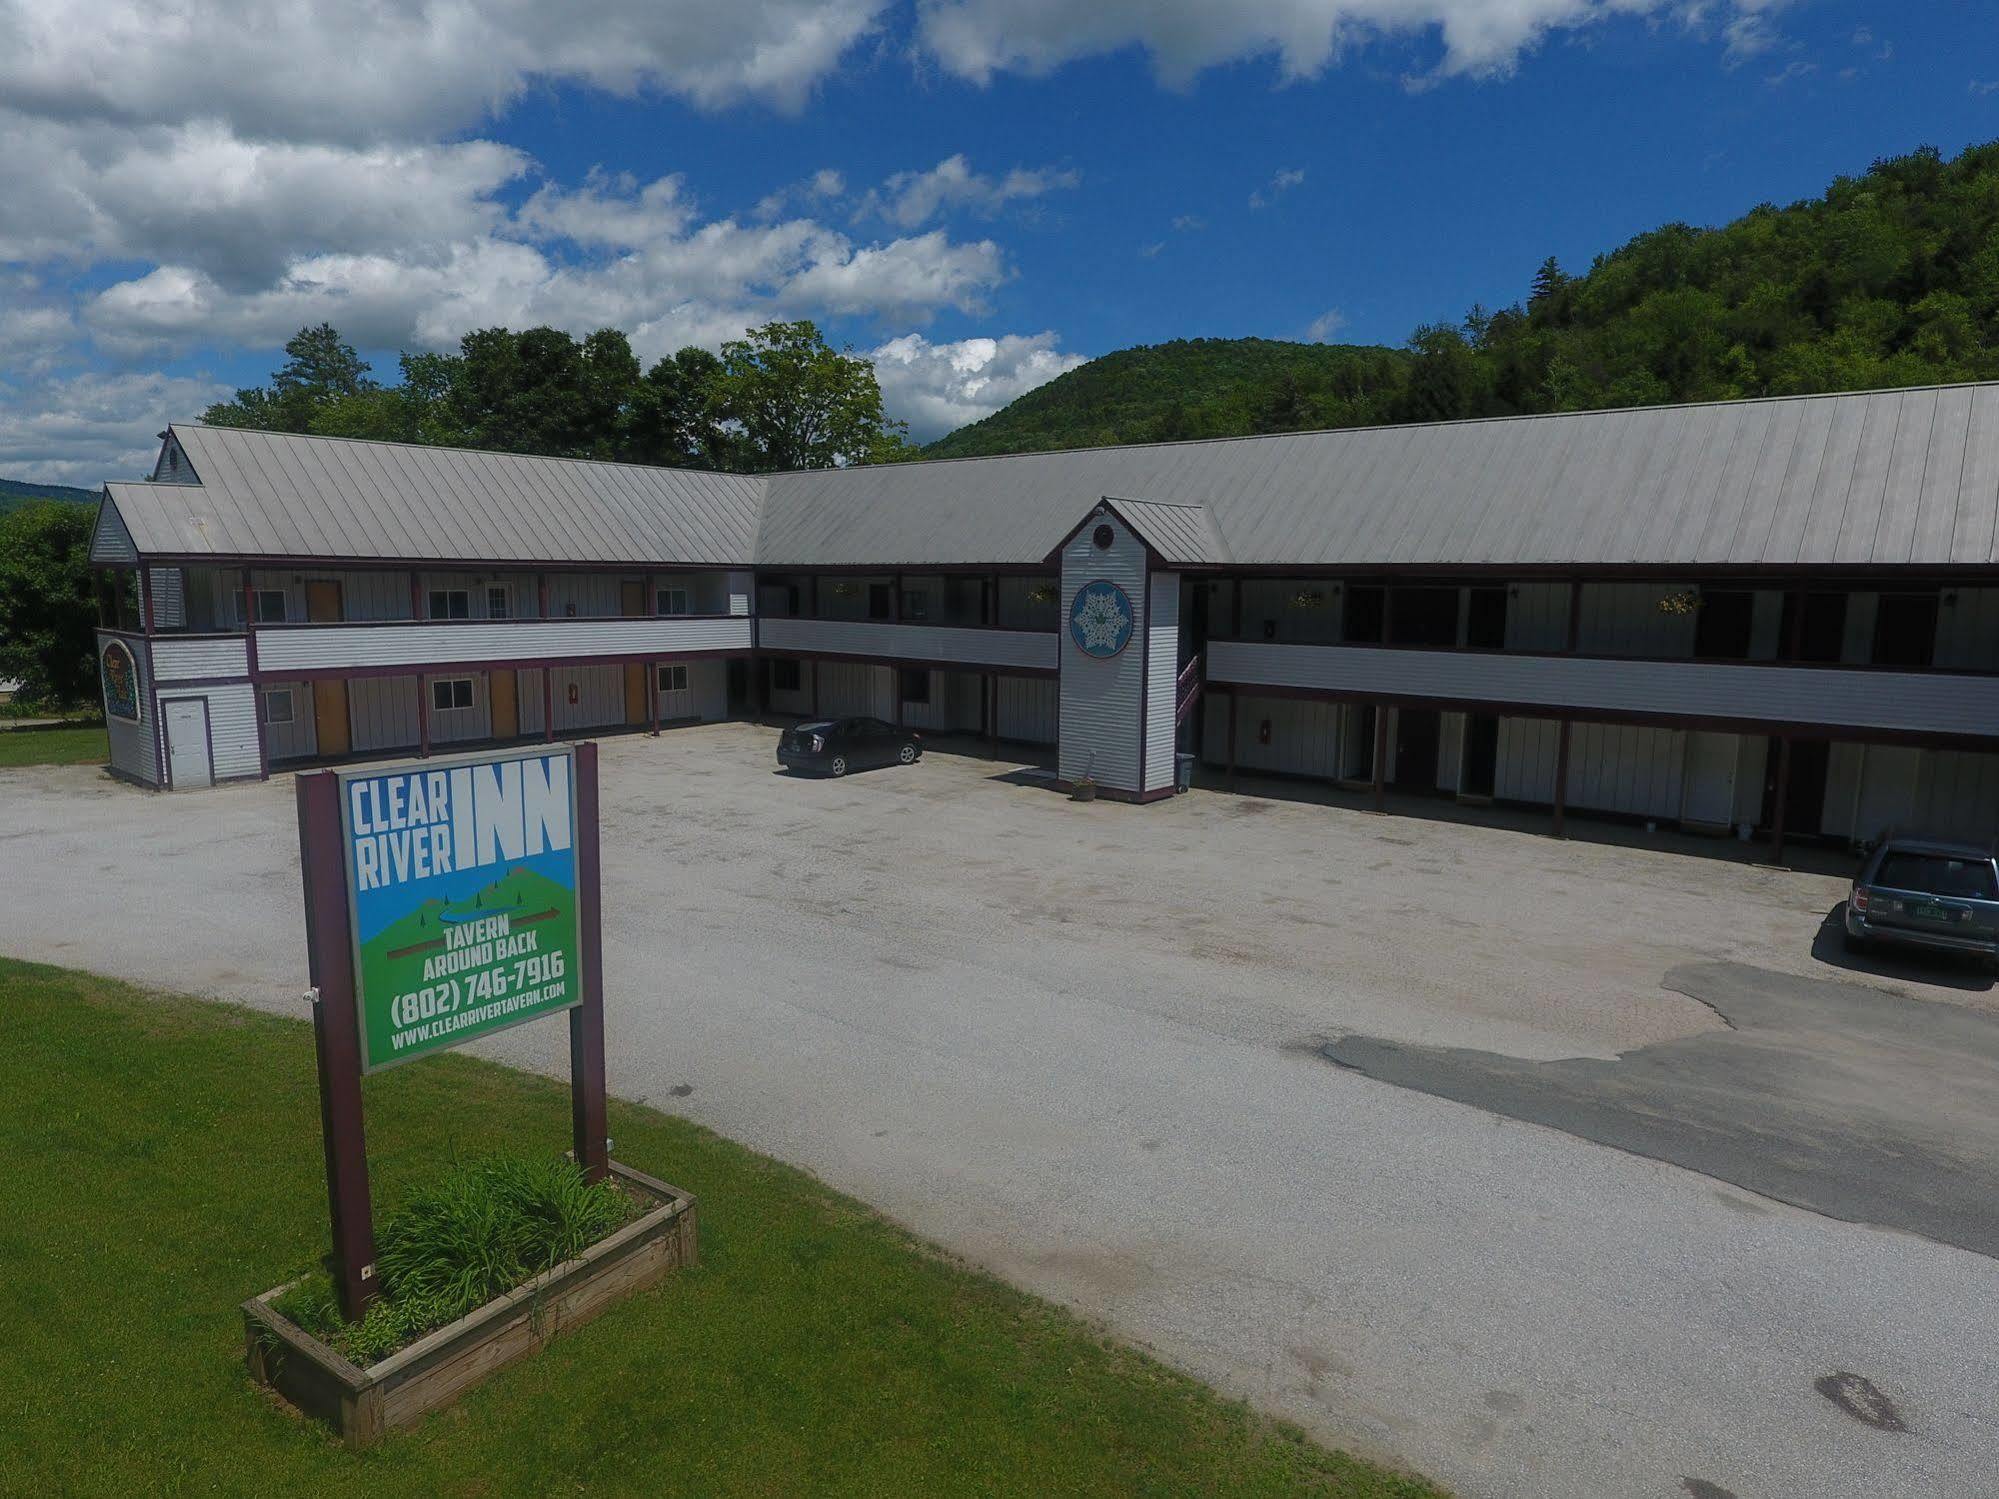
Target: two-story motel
[1775,615]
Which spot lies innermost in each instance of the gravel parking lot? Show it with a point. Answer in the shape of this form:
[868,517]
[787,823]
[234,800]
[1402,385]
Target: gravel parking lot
[1082,1044]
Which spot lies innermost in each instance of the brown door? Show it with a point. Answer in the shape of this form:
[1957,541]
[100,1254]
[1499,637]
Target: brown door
[329,716]
[632,602]
[322,600]
[631,598]
[501,688]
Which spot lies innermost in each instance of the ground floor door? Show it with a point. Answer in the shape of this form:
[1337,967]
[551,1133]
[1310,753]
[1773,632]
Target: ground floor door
[636,708]
[503,691]
[1804,787]
[1418,732]
[188,758]
[1480,770]
[330,722]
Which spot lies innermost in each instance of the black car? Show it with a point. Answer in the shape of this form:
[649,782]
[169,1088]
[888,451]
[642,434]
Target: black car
[1915,891]
[834,746]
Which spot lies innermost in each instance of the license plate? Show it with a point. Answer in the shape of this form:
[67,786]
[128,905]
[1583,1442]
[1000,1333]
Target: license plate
[1930,911]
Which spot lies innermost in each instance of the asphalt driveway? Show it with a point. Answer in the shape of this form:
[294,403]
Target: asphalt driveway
[1083,1046]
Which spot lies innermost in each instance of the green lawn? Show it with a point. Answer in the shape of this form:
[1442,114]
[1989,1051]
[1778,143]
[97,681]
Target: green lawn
[162,1162]
[59,744]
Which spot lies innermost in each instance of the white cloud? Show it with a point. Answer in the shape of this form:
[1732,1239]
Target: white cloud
[1326,326]
[1188,223]
[908,199]
[303,69]
[1280,184]
[980,38]
[89,428]
[1979,89]
[936,387]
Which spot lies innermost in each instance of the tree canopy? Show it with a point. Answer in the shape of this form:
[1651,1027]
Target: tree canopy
[47,614]
[777,398]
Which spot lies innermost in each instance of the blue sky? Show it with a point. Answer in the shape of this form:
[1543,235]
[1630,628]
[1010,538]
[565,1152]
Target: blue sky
[978,193]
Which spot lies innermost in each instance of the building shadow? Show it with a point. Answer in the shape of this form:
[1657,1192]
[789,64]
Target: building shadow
[1906,964]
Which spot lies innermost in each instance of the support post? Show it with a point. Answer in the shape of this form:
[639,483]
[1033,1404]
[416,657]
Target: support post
[547,705]
[1235,714]
[422,716]
[1381,757]
[815,686]
[416,596]
[145,599]
[336,1039]
[1562,780]
[586,1020]
[1783,795]
[991,714]
[652,694]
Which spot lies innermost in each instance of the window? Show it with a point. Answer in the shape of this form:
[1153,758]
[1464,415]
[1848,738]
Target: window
[673,601]
[1905,629]
[450,603]
[915,603]
[785,676]
[269,604]
[450,694]
[1937,874]
[277,705]
[1366,614]
[1723,628]
[1822,635]
[915,685]
[674,678]
[1423,616]
[1485,620]
[880,604]
[499,601]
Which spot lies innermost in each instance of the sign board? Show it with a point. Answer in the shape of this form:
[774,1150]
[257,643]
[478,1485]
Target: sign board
[462,898]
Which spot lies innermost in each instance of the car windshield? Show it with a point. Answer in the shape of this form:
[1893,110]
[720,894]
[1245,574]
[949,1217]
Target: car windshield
[1938,874]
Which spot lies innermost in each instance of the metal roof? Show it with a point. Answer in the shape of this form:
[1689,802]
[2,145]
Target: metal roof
[1883,478]
[1878,478]
[274,494]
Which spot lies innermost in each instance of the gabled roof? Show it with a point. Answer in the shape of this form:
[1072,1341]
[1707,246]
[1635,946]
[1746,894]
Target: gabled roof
[272,494]
[1873,479]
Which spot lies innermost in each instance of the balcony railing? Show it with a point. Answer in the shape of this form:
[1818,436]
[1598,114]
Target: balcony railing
[301,650]
[1751,694]
[944,645]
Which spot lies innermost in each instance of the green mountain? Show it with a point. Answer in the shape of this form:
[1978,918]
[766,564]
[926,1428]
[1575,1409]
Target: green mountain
[1192,387]
[14,493]
[1890,278]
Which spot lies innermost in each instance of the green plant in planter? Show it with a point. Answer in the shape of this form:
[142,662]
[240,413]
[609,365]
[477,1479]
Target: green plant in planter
[480,1231]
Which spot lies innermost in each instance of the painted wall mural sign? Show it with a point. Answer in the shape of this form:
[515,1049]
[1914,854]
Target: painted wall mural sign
[1101,619]
[462,894]
[121,680]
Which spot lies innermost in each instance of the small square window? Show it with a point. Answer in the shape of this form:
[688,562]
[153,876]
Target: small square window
[499,601]
[450,694]
[277,705]
[673,601]
[784,676]
[270,606]
[450,603]
[915,686]
[673,678]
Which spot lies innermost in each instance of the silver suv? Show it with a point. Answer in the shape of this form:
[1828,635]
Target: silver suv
[1940,893]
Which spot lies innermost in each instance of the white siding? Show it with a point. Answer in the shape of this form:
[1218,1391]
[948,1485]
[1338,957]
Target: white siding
[1528,750]
[112,541]
[1283,736]
[1968,630]
[1624,619]
[134,750]
[588,697]
[798,700]
[1026,649]
[1960,789]
[1307,610]
[457,724]
[1162,674]
[1871,787]
[1029,709]
[1933,702]
[1626,768]
[310,649]
[705,697]
[850,688]
[169,593]
[1103,701]
[298,739]
[1018,609]
[1713,767]
[1537,617]
[232,727]
[382,711]
[190,660]
[585,596]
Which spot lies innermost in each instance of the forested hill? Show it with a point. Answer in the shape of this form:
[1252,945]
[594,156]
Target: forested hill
[14,493]
[1193,387]
[1891,278]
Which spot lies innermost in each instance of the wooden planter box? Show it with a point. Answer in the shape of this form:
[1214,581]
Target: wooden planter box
[364,1405]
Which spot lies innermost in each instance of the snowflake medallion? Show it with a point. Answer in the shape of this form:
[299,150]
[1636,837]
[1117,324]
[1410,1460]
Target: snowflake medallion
[1100,619]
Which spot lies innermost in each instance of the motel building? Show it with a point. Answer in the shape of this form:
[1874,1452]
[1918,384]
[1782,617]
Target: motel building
[1774,618]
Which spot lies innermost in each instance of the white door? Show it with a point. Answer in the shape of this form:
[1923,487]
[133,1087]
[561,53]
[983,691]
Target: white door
[1707,792]
[187,743]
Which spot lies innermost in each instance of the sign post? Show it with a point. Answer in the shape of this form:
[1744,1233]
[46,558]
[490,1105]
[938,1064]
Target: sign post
[443,903]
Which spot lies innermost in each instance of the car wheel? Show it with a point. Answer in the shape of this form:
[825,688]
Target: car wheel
[907,754]
[839,765]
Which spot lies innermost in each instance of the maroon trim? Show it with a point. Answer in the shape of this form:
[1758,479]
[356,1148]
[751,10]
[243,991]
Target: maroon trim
[908,624]
[589,1139]
[1583,713]
[207,733]
[423,714]
[515,619]
[1144,662]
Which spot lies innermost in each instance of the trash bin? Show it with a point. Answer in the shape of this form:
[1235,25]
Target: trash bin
[1183,772]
